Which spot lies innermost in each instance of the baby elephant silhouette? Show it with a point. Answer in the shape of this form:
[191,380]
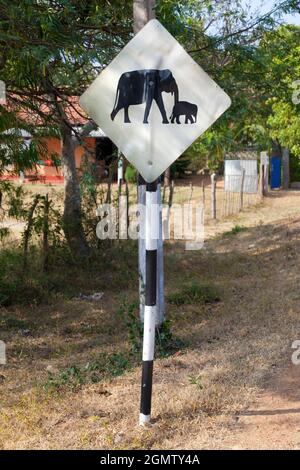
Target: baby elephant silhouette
[183,108]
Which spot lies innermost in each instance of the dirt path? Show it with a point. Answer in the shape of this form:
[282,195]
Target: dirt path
[273,420]
[276,206]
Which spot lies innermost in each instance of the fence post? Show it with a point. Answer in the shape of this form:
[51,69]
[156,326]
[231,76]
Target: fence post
[191,192]
[213,197]
[261,179]
[264,173]
[242,189]
[266,178]
[166,224]
[286,168]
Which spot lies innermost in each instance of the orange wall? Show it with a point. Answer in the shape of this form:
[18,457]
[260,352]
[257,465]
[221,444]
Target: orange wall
[79,151]
[54,146]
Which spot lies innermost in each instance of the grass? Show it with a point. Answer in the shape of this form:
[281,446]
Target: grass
[195,293]
[74,377]
[32,286]
[95,375]
[165,342]
[8,322]
[234,231]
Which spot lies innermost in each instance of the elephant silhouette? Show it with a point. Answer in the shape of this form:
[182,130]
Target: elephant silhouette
[144,86]
[184,108]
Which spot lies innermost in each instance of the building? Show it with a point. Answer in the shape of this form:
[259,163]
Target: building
[48,169]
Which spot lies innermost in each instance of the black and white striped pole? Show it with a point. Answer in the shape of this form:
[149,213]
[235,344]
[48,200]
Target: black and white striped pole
[151,236]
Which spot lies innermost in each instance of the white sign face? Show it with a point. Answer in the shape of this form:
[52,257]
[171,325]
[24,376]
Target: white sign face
[153,100]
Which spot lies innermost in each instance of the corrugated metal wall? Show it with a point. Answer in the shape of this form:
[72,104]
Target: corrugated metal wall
[233,176]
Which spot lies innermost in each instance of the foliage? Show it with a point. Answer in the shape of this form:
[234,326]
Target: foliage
[294,168]
[232,43]
[285,125]
[52,51]
[283,51]
[130,174]
[179,167]
[194,292]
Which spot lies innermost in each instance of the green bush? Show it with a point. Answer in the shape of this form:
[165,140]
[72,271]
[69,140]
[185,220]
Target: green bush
[294,168]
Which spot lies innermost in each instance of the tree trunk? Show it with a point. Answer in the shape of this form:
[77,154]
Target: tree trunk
[72,217]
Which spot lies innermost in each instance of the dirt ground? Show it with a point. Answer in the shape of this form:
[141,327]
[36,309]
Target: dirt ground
[233,384]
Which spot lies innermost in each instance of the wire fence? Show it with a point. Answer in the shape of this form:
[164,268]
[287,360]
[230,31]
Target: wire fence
[237,193]
[229,195]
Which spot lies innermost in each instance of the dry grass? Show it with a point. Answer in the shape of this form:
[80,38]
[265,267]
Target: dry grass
[232,346]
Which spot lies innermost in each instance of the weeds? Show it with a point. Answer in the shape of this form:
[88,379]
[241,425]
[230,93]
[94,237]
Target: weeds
[234,231]
[15,287]
[194,292]
[196,380]
[13,322]
[165,343]
[74,377]
[129,314]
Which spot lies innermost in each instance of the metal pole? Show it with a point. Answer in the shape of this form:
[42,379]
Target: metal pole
[151,236]
[120,169]
[160,314]
[141,247]
[144,11]
[150,289]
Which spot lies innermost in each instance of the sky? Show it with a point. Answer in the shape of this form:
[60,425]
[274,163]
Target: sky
[267,5]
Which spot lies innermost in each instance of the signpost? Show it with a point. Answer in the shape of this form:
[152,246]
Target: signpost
[153,100]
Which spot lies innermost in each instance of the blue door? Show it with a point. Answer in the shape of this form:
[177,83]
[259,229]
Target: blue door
[275,172]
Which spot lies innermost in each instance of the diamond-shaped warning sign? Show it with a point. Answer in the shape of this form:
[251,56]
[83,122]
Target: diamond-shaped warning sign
[153,100]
